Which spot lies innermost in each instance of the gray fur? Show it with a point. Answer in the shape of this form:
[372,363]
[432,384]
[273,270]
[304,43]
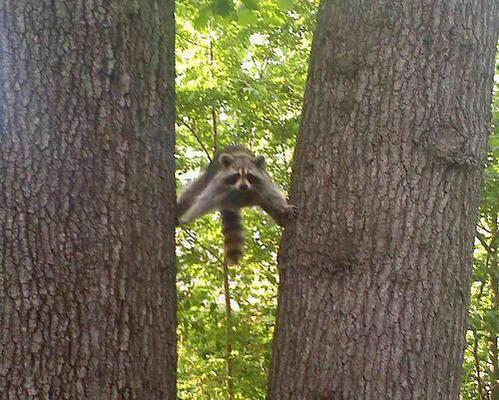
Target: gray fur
[220,187]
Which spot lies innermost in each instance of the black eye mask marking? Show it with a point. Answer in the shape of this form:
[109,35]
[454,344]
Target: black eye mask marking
[232,179]
[253,179]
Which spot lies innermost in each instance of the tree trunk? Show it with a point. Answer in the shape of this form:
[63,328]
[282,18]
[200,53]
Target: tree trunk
[87,262]
[375,274]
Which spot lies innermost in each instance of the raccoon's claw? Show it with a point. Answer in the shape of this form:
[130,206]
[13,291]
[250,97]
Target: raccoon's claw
[292,211]
[290,214]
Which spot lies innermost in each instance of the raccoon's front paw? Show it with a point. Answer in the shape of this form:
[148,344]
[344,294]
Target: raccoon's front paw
[291,211]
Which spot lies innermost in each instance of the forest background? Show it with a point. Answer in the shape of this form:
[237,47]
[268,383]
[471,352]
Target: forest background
[241,71]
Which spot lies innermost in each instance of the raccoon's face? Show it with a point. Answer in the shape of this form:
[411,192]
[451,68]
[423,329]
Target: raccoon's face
[242,173]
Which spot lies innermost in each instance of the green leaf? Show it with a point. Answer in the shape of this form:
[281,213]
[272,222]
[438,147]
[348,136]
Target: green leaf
[251,4]
[202,19]
[275,19]
[246,17]
[285,4]
[223,7]
[494,141]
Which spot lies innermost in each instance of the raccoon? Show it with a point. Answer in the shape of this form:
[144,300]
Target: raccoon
[236,178]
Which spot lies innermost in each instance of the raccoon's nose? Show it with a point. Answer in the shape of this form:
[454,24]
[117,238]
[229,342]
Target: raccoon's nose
[243,187]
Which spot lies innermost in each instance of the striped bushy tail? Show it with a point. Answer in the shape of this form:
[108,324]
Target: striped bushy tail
[232,230]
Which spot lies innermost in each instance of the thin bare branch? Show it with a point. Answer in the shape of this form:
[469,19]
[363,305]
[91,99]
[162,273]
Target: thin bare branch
[191,41]
[215,129]
[477,363]
[192,236]
[482,239]
[228,315]
[196,136]
[228,335]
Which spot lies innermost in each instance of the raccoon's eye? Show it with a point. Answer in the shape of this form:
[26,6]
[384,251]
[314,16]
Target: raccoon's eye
[253,179]
[232,179]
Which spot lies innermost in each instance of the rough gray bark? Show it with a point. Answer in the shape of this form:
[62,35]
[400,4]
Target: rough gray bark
[87,263]
[375,274]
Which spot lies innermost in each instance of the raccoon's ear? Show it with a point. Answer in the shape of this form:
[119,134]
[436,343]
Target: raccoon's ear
[259,161]
[226,160]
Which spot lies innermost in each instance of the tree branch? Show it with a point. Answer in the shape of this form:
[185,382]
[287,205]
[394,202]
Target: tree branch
[482,239]
[191,41]
[215,129]
[477,363]
[216,256]
[228,315]
[213,111]
[196,136]
[228,335]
